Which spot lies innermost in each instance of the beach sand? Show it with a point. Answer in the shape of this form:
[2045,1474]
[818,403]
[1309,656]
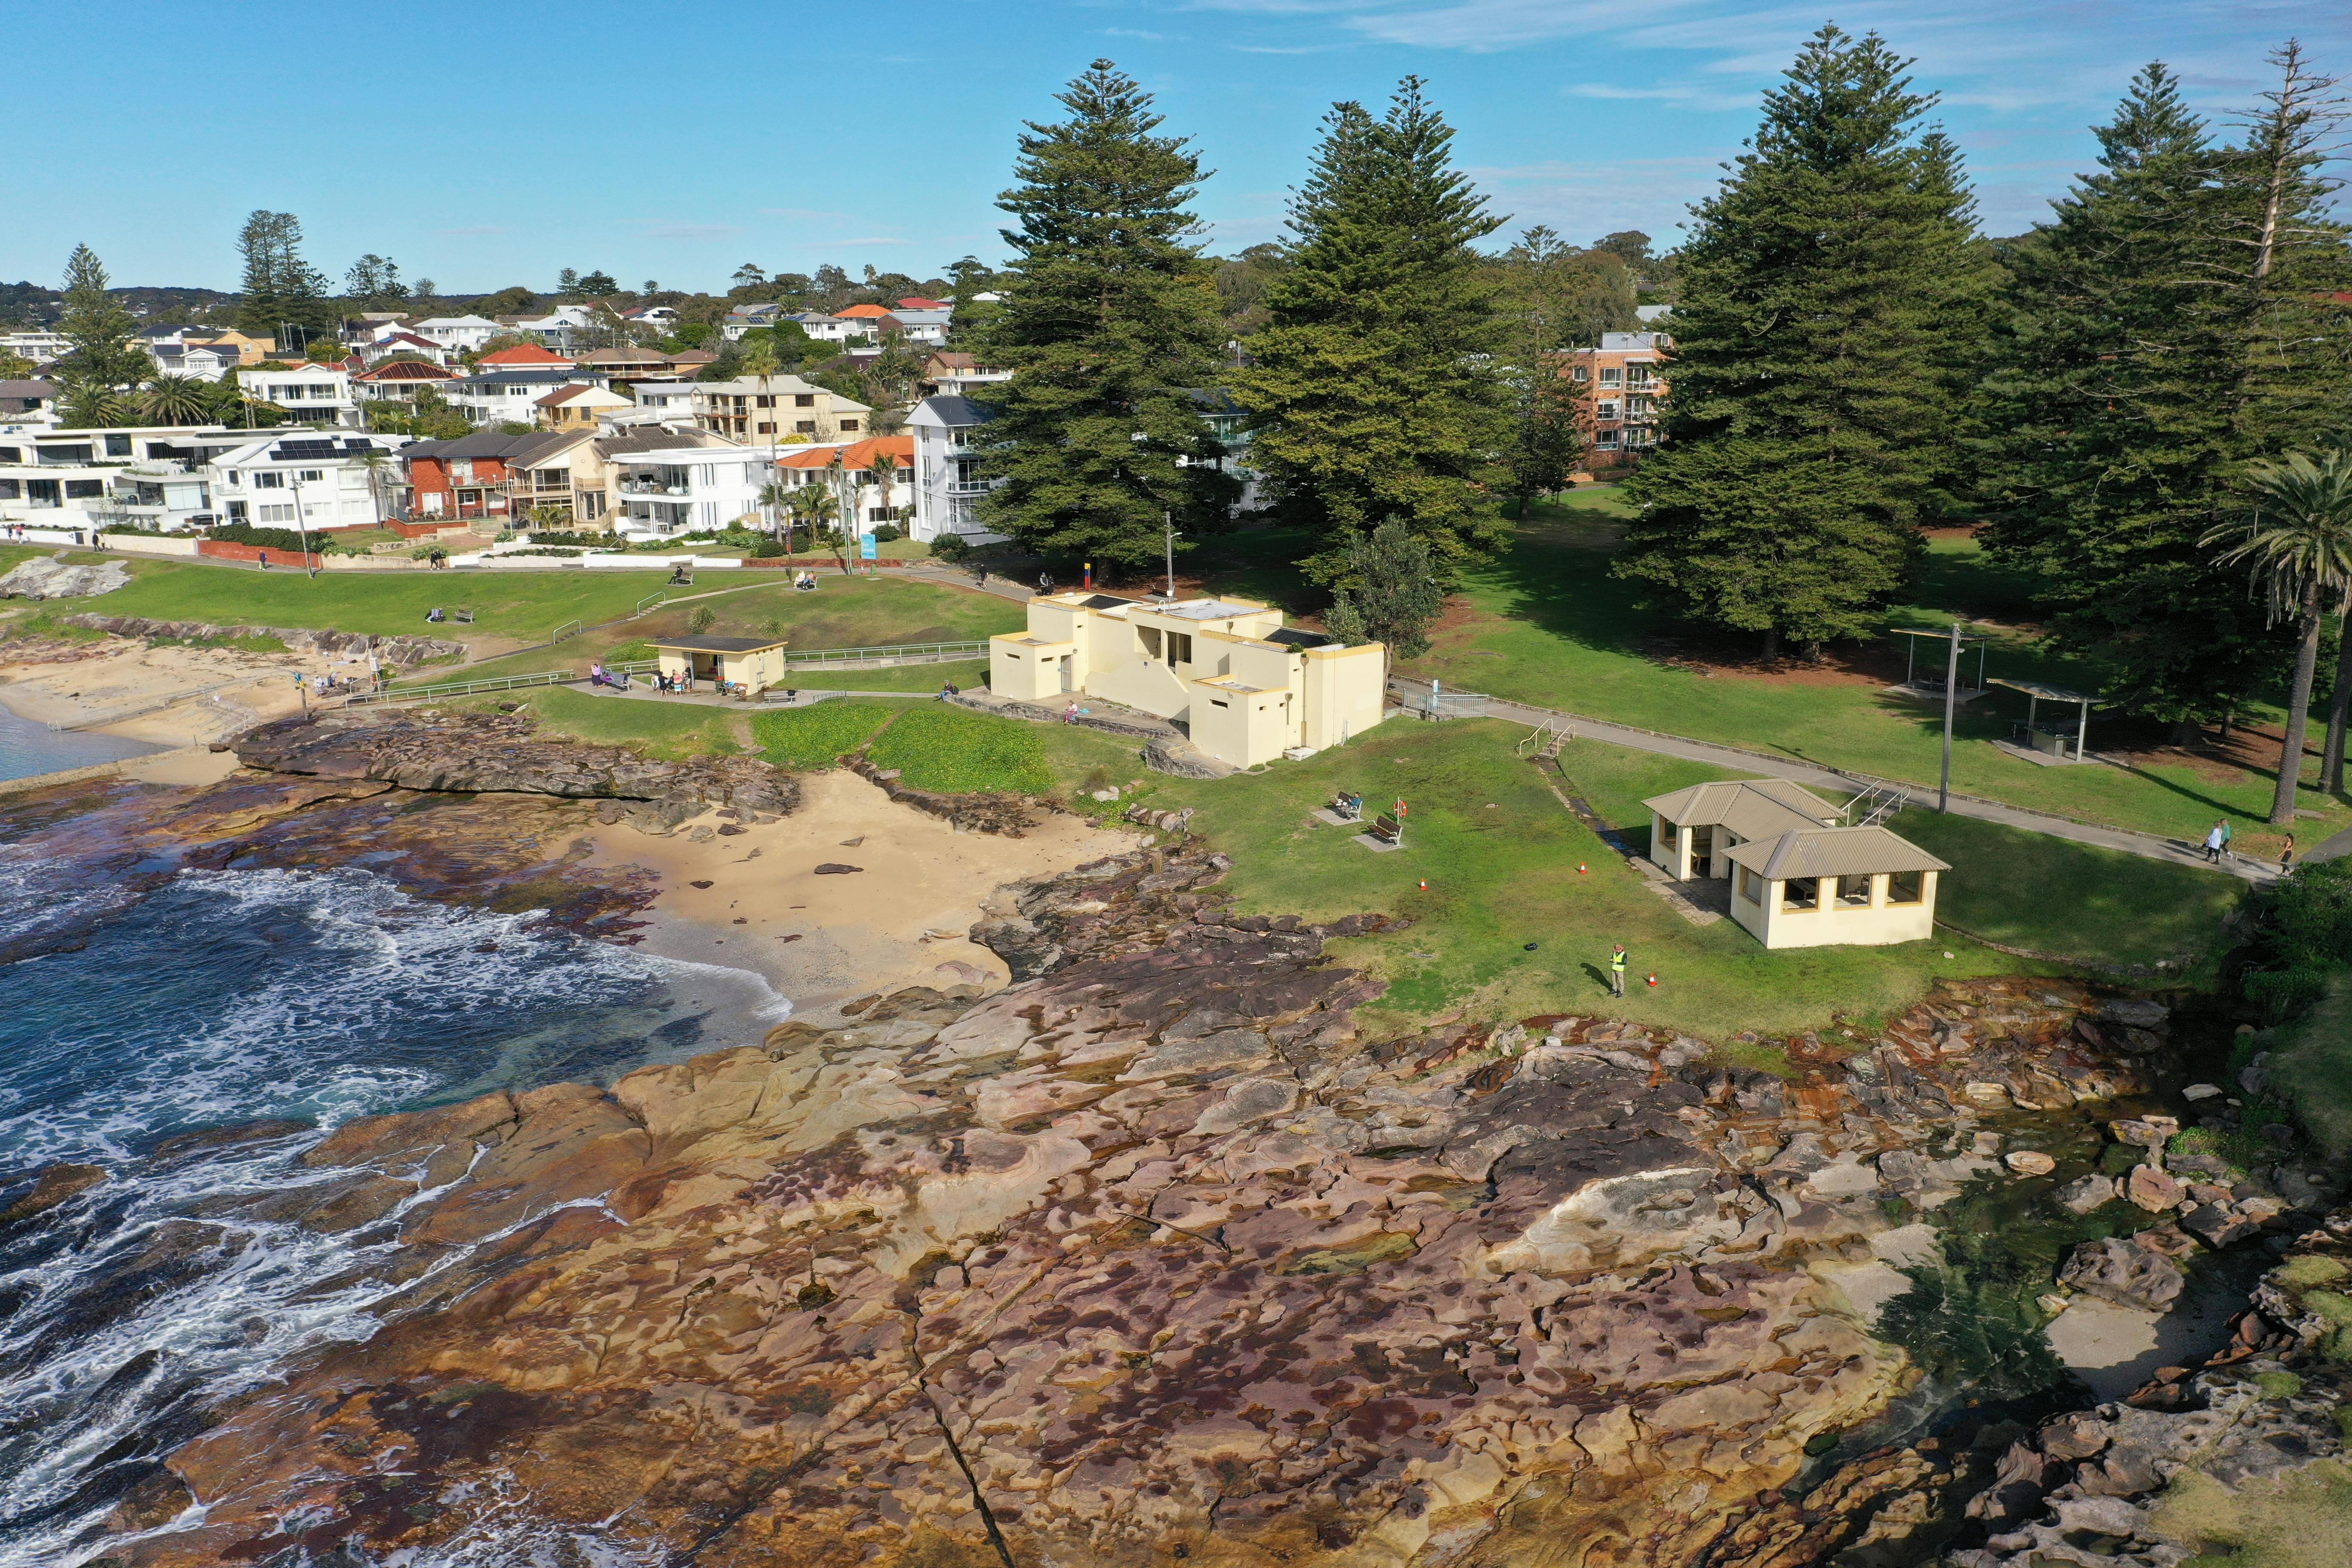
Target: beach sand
[822,940]
[208,693]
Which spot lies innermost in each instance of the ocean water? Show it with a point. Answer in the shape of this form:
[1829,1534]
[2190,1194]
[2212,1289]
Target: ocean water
[222,998]
[27,748]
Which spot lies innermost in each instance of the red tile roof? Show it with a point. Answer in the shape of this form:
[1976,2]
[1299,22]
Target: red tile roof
[857,456]
[406,370]
[524,354]
[922,304]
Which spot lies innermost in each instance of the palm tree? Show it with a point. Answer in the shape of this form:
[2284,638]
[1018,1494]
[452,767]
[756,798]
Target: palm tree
[373,462]
[2299,545]
[816,505]
[885,475]
[776,501]
[842,482]
[176,400]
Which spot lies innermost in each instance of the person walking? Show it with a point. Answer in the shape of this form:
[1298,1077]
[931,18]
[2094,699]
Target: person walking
[2286,856]
[2216,836]
[2228,833]
[1617,969]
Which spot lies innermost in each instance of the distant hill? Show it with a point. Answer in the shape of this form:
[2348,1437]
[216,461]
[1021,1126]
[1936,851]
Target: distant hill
[29,304]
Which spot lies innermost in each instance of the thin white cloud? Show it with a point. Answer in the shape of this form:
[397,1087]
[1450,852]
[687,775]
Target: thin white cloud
[473,231]
[652,229]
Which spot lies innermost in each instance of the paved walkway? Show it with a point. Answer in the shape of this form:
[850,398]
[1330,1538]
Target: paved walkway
[2177,851]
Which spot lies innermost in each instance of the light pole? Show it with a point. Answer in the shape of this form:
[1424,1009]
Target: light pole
[1951,701]
[1167,522]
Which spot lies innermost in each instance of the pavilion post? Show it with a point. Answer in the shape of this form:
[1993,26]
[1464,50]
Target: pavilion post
[1951,693]
[2032,712]
[2082,729]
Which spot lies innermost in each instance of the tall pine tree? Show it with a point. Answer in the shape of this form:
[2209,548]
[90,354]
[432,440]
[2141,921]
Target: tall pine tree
[2164,330]
[281,296]
[1830,296]
[102,364]
[1111,326]
[1374,393]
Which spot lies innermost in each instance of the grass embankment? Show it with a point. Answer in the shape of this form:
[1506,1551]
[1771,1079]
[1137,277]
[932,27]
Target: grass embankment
[1547,625]
[951,750]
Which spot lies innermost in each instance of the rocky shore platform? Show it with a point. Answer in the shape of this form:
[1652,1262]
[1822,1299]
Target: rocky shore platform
[1151,1257]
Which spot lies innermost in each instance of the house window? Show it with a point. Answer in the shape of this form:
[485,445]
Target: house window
[10,489]
[322,393]
[804,400]
[1604,440]
[1604,410]
[764,400]
[85,489]
[767,427]
[849,424]
[1751,886]
[1907,886]
[236,511]
[1610,375]
[804,426]
[1580,374]
[1854,892]
[1800,893]
[270,481]
[117,446]
[1180,647]
[312,476]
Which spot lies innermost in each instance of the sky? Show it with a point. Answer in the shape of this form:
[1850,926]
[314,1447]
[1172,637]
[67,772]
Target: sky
[484,145]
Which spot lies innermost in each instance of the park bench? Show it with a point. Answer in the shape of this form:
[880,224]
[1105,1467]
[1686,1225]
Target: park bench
[1388,830]
[463,617]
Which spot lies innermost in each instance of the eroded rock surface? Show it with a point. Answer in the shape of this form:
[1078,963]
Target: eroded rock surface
[1149,1255]
[399,652]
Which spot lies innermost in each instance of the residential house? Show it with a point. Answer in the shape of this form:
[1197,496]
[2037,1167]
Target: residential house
[869,503]
[472,478]
[922,324]
[782,409]
[579,406]
[143,475]
[207,361]
[1793,876]
[742,319]
[313,394]
[525,356]
[567,329]
[399,380]
[916,304]
[687,363]
[1623,386]
[948,432]
[666,399]
[946,370]
[40,345]
[667,491]
[596,466]
[408,345]
[29,403]
[504,396]
[661,317]
[296,480]
[1246,687]
[458,333]
[622,366]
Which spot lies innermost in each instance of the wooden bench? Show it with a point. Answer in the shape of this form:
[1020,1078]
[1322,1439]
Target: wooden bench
[463,617]
[1388,830]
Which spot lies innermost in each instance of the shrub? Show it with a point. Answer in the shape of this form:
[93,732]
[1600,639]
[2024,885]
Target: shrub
[820,736]
[956,751]
[950,547]
[769,548]
[701,619]
[884,533]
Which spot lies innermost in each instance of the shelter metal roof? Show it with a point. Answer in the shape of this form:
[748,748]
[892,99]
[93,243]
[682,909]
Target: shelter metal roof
[1753,808]
[1834,852]
[719,644]
[2050,693]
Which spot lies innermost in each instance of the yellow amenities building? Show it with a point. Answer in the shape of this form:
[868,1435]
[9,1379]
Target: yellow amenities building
[1246,687]
[752,663]
[1797,878]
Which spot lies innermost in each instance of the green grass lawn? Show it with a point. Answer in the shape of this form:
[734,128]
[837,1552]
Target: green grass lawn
[1547,625]
[660,730]
[937,746]
[845,613]
[804,739]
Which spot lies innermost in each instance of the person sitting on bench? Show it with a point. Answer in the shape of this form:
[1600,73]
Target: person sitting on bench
[1347,806]
[435,616]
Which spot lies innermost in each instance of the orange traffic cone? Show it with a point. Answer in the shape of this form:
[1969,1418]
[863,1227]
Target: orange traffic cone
[1579,868]
[1424,884]
[1654,977]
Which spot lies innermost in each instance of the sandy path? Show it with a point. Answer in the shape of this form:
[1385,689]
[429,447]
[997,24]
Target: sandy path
[819,939]
[221,692]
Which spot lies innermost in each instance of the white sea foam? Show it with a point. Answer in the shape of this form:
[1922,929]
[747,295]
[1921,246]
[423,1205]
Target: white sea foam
[273,995]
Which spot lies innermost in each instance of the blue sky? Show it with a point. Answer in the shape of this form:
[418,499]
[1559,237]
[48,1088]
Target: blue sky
[486,144]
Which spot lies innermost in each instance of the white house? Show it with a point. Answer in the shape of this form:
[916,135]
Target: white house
[313,394]
[564,329]
[39,346]
[667,399]
[928,326]
[497,396]
[145,477]
[687,490]
[458,334]
[305,481]
[949,433]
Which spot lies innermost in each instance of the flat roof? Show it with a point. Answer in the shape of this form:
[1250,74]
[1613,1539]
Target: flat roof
[719,644]
[1204,609]
[2044,689]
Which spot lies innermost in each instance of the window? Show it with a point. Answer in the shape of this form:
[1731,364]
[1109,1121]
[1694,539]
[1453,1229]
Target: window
[85,489]
[1610,375]
[1604,440]
[1751,886]
[764,400]
[804,400]
[117,446]
[1150,637]
[767,427]
[1637,406]
[1665,834]
[878,514]
[849,424]
[10,489]
[236,511]
[1854,892]
[804,426]
[1604,410]
[1180,647]
[268,481]
[1906,888]
[1800,893]
[322,392]
[12,454]
[312,476]
[1580,374]
[277,514]
[235,478]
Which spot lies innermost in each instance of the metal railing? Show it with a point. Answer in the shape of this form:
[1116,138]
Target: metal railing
[572,629]
[1435,702]
[841,657]
[651,601]
[462,688]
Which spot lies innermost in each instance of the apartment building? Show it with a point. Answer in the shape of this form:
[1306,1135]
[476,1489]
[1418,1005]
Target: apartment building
[155,476]
[511,396]
[676,489]
[399,380]
[300,479]
[312,392]
[870,504]
[782,409]
[1623,382]
[948,432]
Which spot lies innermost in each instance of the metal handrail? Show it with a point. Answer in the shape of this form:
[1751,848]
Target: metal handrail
[463,688]
[649,601]
[571,628]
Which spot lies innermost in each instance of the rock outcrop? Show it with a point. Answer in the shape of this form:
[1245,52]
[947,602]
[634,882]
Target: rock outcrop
[479,753]
[398,652]
[45,577]
[1151,1256]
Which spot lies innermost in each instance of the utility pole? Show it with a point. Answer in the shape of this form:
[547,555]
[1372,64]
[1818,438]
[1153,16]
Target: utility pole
[1167,524]
[1951,701]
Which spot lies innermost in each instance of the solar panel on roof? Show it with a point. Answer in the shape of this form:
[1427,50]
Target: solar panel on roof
[296,451]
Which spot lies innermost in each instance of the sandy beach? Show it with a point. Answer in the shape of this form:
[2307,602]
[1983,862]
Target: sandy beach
[193,696]
[900,920]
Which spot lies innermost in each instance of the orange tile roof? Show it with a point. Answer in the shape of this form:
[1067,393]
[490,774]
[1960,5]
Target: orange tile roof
[856,456]
[861,311]
[916,303]
[524,353]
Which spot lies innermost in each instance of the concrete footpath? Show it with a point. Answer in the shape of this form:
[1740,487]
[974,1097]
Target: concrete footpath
[1844,786]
